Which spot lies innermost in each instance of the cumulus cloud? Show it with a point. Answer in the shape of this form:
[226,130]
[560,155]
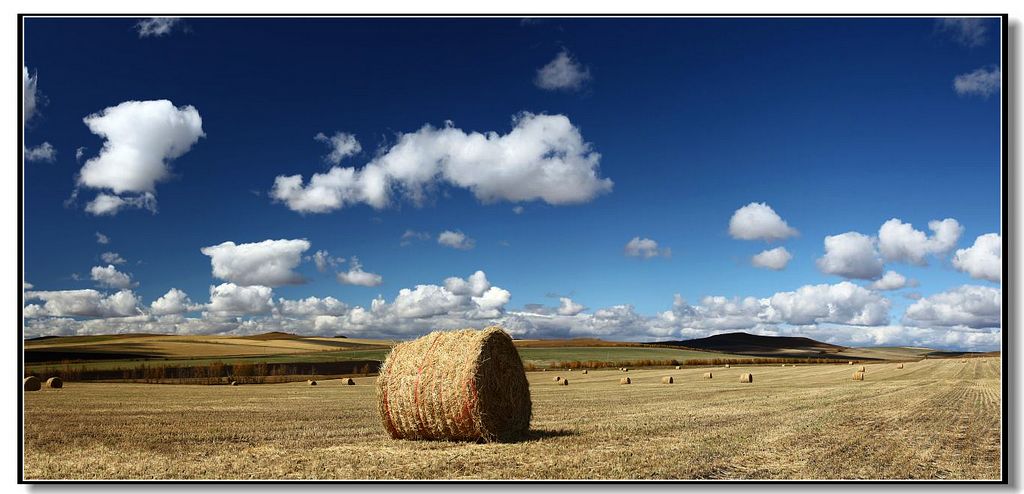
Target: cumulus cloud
[842,303]
[43,152]
[544,157]
[775,259]
[567,307]
[269,263]
[645,248]
[356,276]
[851,255]
[112,258]
[983,82]
[323,260]
[562,73]
[968,31]
[108,205]
[313,306]
[342,145]
[967,306]
[984,259]
[900,242]
[456,240]
[172,303]
[758,221]
[892,280]
[411,235]
[29,83]
[156,26]
[83,303]
[102,239]
[231,300]
[472,298]
[110,277]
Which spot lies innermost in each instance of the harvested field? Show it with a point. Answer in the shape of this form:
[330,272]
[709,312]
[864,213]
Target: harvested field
[883,428]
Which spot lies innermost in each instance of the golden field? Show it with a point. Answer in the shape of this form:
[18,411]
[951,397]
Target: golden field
[935,419]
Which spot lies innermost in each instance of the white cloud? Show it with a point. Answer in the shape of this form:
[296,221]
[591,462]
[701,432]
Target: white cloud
[342,146]
[323,260]
[110,277]
[851,255]
[518,209]
[43,152]
[968,31]
[26,286]
[470,298]
[313,306]
[456,240]
[983,82]
[775,259]
[269,263]
[102,239]
[156,26]
[543,158]
[758,221]
[900,242]
[562,73]
[112,258]
[79,153]
[172,303]
[967,306]
[410,235]
[569,308]
[984,259]
[645,248]
[231,300]
[842,303]
[475,285]
[29,85]
[356,276]
[141,137]
[892,280]
[108,205]
[84,303]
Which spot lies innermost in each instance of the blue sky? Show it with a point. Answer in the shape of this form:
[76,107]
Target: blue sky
[604,130]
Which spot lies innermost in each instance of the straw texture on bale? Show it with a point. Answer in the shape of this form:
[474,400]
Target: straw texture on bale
[746,378]
[667,380]
[348,381]
[899,366]
[54,382]
[625,380]
[861,369]
[858,376]
[464,385]
[32,383]
[707,375]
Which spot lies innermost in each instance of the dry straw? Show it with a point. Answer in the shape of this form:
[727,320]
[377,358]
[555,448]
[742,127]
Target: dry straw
[625,380]
[858,376]
[32,383]
[746,378]
[348,381]
[899,366]
[54,382]
[707,375]
[462,385]
[667,380]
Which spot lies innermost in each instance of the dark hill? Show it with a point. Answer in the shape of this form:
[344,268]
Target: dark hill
[752,344]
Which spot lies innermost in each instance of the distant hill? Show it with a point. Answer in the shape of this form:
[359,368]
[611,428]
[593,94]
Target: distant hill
[752,344]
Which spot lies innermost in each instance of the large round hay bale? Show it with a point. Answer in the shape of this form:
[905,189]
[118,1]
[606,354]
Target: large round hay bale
[456,385]
[667,380]
[54,382]
[899,366]
[625,380]
[858,376]
[311,382]
[707,375]
[348,381]
[32,383]
[861,369]
[746,378]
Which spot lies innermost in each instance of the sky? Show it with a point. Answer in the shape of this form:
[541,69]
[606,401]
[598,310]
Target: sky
[628,179]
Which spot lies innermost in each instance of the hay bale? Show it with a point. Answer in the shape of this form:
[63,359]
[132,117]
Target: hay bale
[746,378]
[899,366]
[55,383]
[624,369]
[557,378]
[667,380]
[462,385]
[32,383]
[858,376]
[861,369]
[234,383]
[707,375]
[584,371]
[625,380]
[348,381]
[563,382]
[312,383]
[677,367]
[726,366]
[850,363]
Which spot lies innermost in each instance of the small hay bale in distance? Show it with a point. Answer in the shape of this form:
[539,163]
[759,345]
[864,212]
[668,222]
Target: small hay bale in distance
[348,381]
[32,383]
[677,367]
[557,378]
[55,383]
[861,369]
[746,377]
[563,382]
[726,366]
[667,380]
[850,363]
[625,380]
[707,375]
[462,385]
[626,369]
[584,371]
[311,382]
[858,376]
[234,383]
[899,366]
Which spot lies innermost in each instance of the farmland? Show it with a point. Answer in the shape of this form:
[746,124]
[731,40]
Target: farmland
[935,419]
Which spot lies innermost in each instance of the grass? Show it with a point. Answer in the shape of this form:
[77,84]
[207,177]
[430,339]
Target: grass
[935,419]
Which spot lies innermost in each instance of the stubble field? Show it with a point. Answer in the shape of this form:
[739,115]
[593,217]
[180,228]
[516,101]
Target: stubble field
[935,419]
